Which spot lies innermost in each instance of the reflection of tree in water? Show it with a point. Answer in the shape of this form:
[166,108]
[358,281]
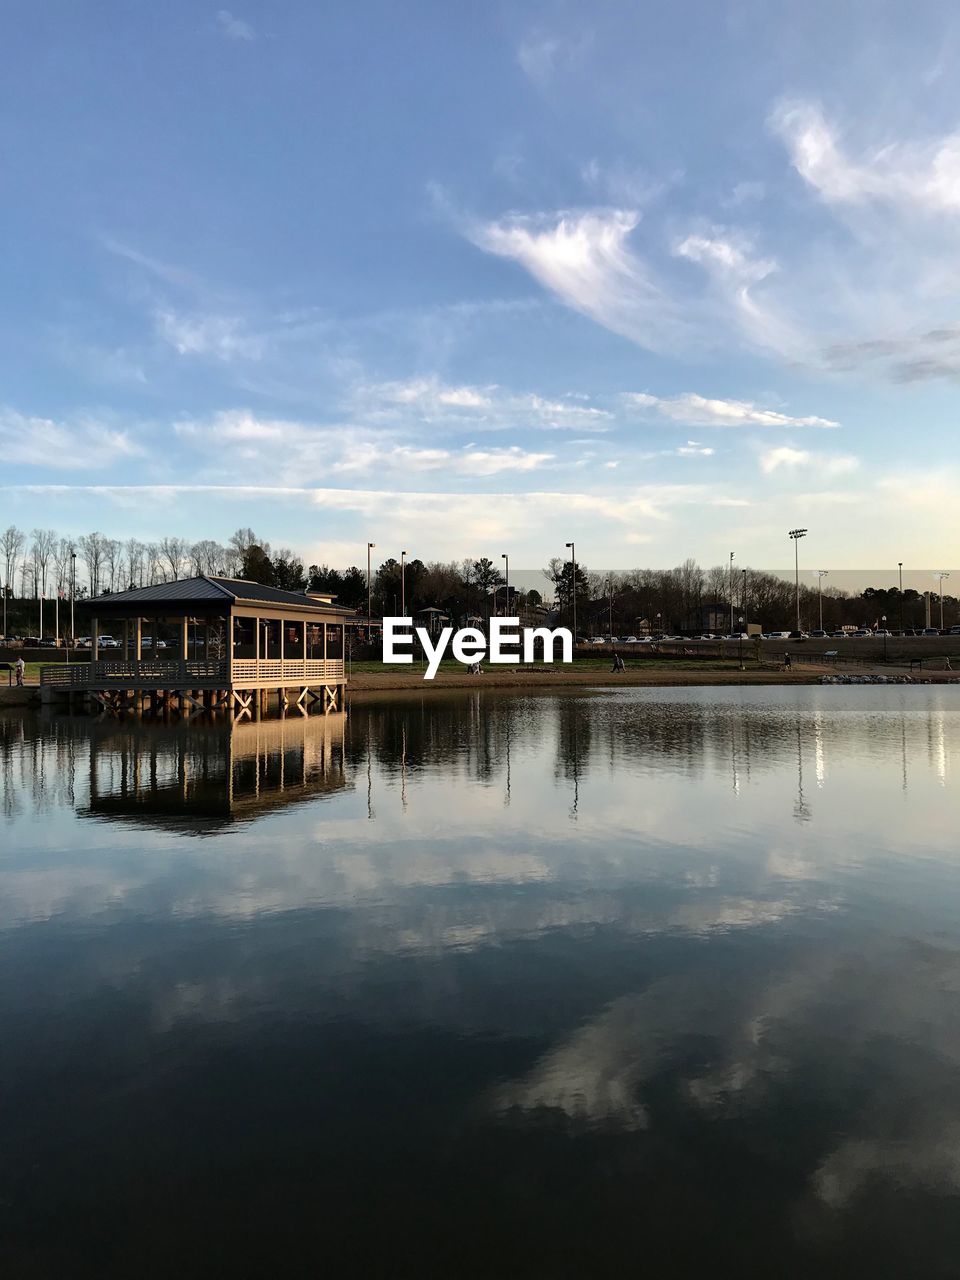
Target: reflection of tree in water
[474,731]
[37,765]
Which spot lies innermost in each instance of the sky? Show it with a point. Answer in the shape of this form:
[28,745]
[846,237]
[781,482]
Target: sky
[666,280]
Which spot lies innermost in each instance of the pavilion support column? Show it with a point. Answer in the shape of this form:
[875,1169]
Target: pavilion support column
[126,639]
[184,638]
[94,639]
[138,639]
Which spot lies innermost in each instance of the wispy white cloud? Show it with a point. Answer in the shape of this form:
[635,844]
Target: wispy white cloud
[828,466]
[735,270]
[84,444]
[235,28]
[693,449]
[922,175]
[430,400]
[285,449]
[700,411]
[543,56]
[586,259]
[223,337]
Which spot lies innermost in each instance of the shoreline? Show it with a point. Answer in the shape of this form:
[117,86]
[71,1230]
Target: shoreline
[540,678]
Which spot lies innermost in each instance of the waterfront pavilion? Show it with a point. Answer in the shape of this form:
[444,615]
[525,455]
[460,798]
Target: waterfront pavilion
[233,643]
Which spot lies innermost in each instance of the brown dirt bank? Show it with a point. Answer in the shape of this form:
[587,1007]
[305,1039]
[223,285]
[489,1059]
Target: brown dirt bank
[563,679]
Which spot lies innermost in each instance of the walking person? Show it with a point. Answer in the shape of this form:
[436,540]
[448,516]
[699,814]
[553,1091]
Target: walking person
[21,667]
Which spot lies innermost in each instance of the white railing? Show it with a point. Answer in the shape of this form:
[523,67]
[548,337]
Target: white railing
[213,673]
[158,673]
[274,671]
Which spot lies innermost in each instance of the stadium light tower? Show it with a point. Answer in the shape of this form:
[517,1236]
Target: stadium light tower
[573,561]
[943,574]
[796,535]
[821,574]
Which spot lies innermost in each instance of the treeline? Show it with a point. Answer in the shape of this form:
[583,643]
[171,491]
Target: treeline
[687,598]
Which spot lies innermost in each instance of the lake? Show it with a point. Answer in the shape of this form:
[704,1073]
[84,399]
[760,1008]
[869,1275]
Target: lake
[488,984]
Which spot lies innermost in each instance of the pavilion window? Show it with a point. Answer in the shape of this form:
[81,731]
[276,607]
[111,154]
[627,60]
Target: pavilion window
[293,640]
[270,638]
[314,640]
[334,641]
[244,637]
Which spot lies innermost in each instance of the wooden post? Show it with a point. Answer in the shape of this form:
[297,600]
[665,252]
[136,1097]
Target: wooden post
[126,639]
[94,639]
[184,638]
[228,638]
[138,639]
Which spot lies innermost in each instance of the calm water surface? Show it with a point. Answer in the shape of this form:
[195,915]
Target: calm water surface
[486,984]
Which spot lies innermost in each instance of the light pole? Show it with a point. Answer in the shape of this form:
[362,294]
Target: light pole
[941,576]
[821,574]
[900,567]
[610,604]
[731,591]
[73,592]
[796,535]
[659,626]
[370,546]
[883,620]
[6,590]
[740,643]
[743,597]
[506,580]
[403,584]
[573,579]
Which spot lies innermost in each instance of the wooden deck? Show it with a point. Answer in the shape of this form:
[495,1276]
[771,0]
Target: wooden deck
[185,685]
[242,673]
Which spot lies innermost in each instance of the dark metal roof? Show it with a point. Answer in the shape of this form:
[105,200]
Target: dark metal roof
[166,592]
[241,589]
[209,591]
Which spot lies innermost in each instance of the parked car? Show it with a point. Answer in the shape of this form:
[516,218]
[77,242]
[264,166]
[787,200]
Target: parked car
[863,634]
[797,635]
[839,635]
[819,635]
[49,642]
[930,631]
[632,640]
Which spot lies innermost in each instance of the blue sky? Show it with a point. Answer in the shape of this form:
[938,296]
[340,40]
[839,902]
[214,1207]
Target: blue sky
[665,279]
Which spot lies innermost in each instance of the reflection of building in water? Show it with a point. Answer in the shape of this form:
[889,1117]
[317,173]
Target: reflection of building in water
[209,776]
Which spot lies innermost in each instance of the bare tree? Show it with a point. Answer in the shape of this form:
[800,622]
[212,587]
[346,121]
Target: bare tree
[209,557]
[175,553]
[41,547]
[61,565]
[134,555]
[92,549]
[113,561]
[153,565]
[240,543]
[11,544]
